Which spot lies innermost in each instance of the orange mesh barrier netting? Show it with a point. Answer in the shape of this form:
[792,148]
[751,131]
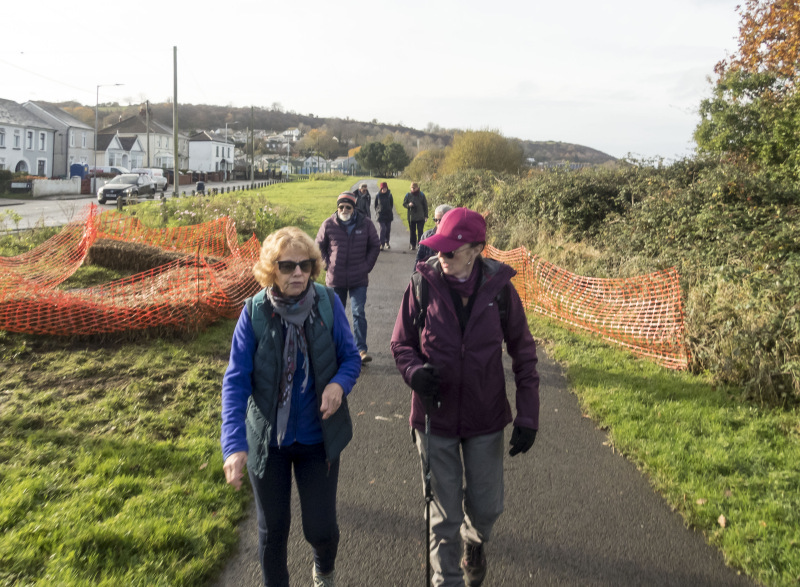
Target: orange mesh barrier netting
[644,313]
[184,294]
[209,239]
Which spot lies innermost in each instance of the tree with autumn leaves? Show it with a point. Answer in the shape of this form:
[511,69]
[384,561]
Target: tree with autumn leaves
[754,113]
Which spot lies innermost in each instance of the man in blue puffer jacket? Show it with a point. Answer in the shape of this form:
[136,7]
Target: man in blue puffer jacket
[350,247]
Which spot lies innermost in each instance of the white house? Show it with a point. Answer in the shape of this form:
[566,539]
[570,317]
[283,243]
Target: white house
[346,165]
[26,141]
[156,138]
[293,134]
[210,152]
[73,141]
[116,151]
[315,164]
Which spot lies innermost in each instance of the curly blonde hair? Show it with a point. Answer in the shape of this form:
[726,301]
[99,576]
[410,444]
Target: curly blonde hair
[275,245]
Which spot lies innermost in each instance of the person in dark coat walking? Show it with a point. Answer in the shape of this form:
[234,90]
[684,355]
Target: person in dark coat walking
[424,253]
[384,208]
[363,201]
[417,205]
[453,362]
[349,245]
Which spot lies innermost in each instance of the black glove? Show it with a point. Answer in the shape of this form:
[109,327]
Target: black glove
[521,440]
[425,381]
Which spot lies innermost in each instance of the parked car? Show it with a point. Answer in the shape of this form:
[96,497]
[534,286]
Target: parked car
[113,170]
[157,174]
[127,185]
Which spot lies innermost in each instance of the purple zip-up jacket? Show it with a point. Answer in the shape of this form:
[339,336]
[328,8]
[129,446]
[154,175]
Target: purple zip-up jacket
[473,391]
[348,257]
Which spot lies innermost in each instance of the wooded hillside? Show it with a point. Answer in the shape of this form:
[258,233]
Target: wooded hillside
[197,117]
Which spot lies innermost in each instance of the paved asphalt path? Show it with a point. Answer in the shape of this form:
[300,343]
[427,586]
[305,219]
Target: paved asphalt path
[576,513]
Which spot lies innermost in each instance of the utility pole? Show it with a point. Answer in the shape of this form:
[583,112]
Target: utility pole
[252,144]
[147,119]
[176,173]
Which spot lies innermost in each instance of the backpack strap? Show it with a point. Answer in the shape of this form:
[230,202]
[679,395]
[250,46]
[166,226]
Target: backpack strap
[257,318]
[420,288]
[502,298]
[325,305]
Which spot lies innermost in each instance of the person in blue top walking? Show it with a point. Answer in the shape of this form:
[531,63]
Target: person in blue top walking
[284,402]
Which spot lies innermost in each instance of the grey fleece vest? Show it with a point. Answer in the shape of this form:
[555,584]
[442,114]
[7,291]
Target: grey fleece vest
[262,406]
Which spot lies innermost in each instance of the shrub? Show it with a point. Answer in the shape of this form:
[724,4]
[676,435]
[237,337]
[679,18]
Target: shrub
[730,230]
[483,149]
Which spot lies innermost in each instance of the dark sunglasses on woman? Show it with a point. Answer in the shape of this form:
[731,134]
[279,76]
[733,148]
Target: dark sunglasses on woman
[288,267]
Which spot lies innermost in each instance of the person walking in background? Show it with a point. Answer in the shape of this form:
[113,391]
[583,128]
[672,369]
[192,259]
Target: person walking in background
[364,201]
[284,406]
[450,353]
[384,209]
[417,205]
[423,252]
[349,246]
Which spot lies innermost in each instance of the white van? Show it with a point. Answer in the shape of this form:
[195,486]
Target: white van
[156,173]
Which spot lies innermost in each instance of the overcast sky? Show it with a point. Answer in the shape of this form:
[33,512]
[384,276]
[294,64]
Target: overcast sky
[621,76]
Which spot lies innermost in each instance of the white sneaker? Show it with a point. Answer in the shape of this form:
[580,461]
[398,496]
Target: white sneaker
[328,580]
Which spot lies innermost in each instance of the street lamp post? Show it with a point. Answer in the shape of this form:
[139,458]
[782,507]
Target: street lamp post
[96,104]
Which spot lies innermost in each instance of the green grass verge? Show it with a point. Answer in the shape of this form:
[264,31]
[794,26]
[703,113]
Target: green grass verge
[706,452]
[110,468]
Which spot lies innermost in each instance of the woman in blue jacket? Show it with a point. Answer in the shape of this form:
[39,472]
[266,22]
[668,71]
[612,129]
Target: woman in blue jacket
[284,406]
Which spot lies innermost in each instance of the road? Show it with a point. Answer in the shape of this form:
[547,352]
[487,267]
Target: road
[576,512]
[59,210]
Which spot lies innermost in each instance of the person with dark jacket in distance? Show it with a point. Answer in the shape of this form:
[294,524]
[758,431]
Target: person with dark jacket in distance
[417,205]
[424,253]
[363,201]
[348,242]
[384,208]
[453,364]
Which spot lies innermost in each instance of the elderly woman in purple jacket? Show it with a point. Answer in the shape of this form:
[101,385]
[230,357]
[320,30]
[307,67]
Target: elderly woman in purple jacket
[452,360]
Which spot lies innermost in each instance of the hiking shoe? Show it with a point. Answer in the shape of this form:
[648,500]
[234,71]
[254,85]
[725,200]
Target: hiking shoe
[328,580]
[474,564]
[365,358]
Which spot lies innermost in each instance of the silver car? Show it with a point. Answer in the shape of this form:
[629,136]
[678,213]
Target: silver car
[127,185]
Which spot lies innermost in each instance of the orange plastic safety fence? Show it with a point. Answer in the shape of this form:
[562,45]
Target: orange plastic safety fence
[187,293]
[643,313]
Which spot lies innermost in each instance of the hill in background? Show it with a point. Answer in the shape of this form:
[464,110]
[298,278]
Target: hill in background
[350,133]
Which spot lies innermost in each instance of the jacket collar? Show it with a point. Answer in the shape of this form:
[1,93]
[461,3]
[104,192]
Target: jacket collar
[495,275]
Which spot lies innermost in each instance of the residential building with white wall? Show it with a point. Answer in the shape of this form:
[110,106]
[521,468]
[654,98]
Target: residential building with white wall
[73,140]
[26,141]
[210,152]
[161,141]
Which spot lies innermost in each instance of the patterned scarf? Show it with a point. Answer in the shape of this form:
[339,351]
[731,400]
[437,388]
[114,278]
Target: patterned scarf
[293,313]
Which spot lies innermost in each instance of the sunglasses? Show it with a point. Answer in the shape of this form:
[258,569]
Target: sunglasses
[437,220]
[449,255]
[288,267]
[345,207]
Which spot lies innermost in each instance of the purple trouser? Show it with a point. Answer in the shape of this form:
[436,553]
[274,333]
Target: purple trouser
[386,229]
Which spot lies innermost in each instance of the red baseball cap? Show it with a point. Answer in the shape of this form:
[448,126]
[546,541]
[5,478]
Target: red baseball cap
[458,227]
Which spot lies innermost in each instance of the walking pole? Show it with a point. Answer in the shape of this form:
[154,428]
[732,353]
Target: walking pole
[428,493]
